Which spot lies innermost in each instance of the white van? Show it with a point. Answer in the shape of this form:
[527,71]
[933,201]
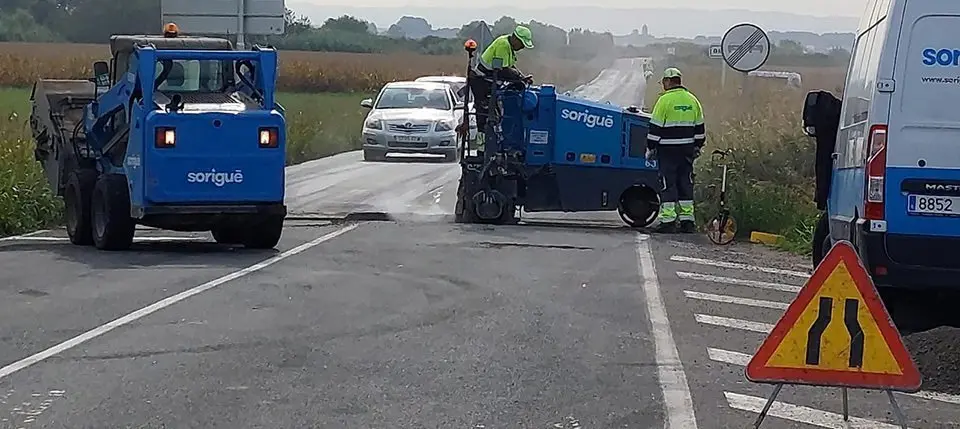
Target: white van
[889,162]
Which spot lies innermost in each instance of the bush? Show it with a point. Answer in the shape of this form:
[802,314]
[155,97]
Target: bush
[771,167]
[26,202]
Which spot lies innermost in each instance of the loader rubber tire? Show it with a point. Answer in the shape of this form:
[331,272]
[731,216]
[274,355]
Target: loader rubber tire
[465,212]
[113,228]
[228,235]
[76,199]
[265,235]
[374,155]
[821,239]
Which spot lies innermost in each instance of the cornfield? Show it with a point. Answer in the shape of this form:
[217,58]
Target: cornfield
[21,64]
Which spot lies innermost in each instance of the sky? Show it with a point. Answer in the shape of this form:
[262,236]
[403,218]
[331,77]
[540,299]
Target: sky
[807,7]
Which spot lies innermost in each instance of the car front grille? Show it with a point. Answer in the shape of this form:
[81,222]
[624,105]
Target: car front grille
[408,145]
[413,128]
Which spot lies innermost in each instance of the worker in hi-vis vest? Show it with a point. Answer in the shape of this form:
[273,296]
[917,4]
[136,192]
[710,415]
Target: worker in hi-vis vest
[500,58]
[676,138]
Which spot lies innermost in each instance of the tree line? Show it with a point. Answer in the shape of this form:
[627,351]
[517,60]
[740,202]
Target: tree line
[94,21]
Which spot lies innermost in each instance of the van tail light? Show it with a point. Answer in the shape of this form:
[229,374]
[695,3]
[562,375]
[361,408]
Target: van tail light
[269,137]
[876,172]
[166,138]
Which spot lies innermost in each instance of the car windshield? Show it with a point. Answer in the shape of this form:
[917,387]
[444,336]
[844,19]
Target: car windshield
[456,85]
[413,98]
[458,89]
[193,75]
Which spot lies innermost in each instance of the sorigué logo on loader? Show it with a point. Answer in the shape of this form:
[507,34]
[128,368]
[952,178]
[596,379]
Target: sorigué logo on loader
[218,178]
[588,119]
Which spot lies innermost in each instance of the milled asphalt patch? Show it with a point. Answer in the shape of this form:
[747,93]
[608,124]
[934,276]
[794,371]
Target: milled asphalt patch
[937,354]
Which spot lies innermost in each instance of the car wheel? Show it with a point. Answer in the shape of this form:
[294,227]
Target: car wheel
[373,155]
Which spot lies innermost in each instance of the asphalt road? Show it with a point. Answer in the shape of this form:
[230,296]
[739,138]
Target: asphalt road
[564,321]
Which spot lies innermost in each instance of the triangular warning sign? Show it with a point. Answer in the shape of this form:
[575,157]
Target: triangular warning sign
[836,332]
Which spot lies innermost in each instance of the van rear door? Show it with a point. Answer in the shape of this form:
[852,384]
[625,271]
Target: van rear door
[922,180]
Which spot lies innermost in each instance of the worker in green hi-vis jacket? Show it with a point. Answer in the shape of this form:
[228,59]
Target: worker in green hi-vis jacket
[675,138]
[500,58]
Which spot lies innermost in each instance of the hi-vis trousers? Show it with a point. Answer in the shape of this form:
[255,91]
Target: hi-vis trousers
[676,173]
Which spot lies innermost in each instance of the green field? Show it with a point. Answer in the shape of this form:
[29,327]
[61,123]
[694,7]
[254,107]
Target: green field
[318,125]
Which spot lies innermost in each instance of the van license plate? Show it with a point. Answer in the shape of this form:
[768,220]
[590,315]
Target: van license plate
[407,139]
[933,205]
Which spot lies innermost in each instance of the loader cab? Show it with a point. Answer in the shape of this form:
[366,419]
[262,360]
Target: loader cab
[893,186]
[122,48]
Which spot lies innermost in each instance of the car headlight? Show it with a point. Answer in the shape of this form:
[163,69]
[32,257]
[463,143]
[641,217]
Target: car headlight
[444,126]
[373,124]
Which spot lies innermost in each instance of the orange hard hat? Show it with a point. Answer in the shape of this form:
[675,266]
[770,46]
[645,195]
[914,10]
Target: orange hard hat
[171,28]
[470,45]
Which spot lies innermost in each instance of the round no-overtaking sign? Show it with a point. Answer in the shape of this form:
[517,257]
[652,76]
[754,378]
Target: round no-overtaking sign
[745,47]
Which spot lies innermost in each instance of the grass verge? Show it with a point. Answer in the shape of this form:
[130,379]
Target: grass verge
[318,125]
[770,179]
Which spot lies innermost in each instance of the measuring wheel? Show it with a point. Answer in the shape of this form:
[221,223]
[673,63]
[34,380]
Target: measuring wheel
[723,227]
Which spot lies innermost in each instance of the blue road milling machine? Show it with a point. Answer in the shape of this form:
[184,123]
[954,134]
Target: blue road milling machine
[177,133]
[545,151]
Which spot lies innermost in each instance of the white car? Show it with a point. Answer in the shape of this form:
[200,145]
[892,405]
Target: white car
[413,117]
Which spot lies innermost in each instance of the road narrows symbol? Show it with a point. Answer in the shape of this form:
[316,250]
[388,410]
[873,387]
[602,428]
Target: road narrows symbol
[816,331]
[850,318]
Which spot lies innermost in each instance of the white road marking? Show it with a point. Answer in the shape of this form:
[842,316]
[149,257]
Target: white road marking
[673,381]
[136,239]
[738,266]
[728,322]
[166,302]
[935,396]
[742,359]
[727,356]
[739,282]
[801,414]
[21,236]
[726,299]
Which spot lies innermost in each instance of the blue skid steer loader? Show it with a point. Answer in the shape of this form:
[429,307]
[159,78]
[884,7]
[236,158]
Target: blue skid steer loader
[177,133]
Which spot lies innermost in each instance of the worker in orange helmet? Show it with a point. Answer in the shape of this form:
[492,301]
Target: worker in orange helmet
[170,30]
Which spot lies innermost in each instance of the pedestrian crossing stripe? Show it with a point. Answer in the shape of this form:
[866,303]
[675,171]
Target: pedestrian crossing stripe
[836,332]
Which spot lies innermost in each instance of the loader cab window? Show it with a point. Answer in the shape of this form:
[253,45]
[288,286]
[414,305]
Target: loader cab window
[202,76]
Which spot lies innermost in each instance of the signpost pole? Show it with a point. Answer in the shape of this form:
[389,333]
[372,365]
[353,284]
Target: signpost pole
[240,17]
[723,75]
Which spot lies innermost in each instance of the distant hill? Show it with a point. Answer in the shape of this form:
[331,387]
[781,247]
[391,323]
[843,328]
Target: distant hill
[685,23]
[812,41]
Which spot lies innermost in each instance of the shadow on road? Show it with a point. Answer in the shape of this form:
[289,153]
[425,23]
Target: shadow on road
[154,254]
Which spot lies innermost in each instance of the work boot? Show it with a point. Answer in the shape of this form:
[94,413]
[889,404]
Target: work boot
[666,228]
[688,227]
